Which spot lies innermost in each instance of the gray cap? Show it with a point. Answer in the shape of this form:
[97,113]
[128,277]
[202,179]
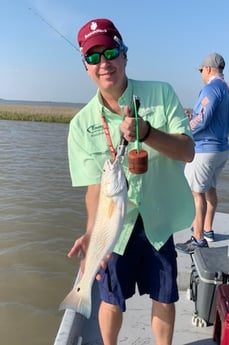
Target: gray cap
[213,60]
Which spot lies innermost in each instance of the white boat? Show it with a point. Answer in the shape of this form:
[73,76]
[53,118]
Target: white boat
[75,329]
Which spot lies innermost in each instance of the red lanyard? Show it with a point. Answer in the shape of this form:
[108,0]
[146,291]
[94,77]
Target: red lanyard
[108,137]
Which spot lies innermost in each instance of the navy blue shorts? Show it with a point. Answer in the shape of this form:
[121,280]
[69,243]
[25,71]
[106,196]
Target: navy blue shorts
[153,272]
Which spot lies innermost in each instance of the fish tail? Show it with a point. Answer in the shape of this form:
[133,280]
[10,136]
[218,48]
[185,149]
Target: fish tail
[79,300]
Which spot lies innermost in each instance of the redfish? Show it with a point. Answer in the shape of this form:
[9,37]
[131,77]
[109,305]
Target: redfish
[108,225]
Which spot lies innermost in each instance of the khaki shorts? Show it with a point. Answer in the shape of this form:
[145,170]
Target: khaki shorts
[203,172]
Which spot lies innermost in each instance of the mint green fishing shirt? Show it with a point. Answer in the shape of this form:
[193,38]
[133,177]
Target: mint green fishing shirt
[161,195]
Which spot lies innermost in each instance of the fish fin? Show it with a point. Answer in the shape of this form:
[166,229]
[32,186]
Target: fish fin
[79,301]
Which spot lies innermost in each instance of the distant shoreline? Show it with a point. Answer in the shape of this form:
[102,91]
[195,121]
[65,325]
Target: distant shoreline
[41,103]
[44,111]
[38,111]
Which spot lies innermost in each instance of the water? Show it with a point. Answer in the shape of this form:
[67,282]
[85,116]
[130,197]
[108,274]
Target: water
[41,215]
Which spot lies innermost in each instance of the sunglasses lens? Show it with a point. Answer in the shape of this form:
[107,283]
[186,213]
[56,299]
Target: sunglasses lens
[111,54]
[93,59]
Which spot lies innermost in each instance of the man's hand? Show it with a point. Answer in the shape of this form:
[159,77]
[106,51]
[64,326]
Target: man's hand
[80,248]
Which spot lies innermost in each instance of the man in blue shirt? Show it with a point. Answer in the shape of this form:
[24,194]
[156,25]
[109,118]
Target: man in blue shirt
[210,126]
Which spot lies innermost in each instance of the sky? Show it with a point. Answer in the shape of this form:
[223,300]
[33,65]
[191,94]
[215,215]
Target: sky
[167,41]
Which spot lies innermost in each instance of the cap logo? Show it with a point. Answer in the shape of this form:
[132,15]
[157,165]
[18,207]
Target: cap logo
[95,30]
[93,26]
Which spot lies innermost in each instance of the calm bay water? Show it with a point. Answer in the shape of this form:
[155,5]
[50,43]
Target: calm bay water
[40,217]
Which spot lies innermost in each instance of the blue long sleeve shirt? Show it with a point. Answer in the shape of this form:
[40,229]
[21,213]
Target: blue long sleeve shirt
[210,117]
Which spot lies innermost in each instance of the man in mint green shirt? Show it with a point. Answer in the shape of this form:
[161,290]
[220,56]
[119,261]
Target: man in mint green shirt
[160,201]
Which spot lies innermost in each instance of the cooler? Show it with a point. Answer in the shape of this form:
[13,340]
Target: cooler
[210,268]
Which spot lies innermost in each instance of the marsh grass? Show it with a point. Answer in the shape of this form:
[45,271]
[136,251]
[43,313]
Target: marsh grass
[41,113]
[38,113]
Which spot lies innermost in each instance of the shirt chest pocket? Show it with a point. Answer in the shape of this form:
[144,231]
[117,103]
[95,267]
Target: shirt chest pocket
[156,117]
[98,150]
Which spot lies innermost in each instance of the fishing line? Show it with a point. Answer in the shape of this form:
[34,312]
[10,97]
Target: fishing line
[53,28]
[136,123]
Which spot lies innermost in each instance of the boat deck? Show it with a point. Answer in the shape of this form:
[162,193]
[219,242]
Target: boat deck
[75,330]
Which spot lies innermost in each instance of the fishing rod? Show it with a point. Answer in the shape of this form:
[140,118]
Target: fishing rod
[53,28]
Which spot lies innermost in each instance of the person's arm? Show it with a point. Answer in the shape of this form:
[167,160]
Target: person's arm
[81,244]
[175,146]
[205,108]
[91,201]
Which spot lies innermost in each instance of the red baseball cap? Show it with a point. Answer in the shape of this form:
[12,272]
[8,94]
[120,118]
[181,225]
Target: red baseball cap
[98,32]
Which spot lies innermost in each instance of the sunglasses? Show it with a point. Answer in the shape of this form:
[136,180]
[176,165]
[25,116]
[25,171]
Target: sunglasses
[201,70]
[109,54]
